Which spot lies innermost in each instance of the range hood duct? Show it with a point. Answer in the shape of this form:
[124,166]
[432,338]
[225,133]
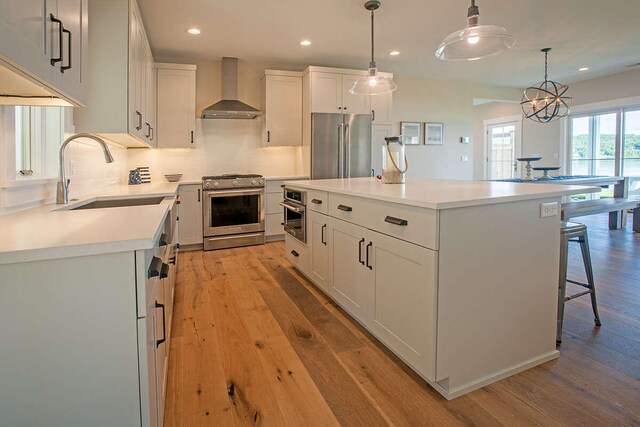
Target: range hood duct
[230,107]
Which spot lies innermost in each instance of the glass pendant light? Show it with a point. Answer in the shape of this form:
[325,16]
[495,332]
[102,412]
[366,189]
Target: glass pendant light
[374,83]
[476,41]
[546,101]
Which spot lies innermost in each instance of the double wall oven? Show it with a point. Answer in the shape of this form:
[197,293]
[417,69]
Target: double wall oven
[233,211]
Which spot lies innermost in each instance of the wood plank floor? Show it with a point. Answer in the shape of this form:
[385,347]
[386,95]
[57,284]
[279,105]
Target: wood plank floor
[254,343]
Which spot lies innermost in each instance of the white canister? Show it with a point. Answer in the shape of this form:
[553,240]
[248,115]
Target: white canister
[394,161]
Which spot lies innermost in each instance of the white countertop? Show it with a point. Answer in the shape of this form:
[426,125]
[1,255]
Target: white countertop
[47,232]
[267,178]
[442,194]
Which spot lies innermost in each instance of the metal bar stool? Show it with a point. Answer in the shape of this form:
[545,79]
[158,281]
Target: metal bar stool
[574,232]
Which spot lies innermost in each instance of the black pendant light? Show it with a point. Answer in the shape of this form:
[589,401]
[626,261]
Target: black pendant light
[373,83]
[547,101]
[475,41]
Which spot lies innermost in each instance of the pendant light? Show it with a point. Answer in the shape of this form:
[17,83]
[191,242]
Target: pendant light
[547,101]
[475,41]
[373,83]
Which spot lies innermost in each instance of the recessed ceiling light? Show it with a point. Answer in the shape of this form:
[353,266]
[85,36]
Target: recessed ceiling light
[193,31]
[583,69]
[305,43]
[394,53]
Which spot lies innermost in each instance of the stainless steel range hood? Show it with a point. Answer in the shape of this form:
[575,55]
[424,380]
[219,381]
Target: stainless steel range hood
[230,107]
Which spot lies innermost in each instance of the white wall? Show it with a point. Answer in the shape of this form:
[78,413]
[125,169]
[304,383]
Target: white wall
[223,146]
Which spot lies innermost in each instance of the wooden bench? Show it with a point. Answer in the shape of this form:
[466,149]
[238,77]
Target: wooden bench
[614,206]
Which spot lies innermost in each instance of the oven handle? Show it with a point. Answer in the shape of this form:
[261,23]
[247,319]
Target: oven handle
[291,207]
[223,193]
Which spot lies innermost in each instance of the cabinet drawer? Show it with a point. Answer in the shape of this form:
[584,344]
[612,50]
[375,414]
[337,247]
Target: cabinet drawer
[352,209]
[273,203]
[297,253]
[274,224]
[274,187]
[409,223]
[317,201]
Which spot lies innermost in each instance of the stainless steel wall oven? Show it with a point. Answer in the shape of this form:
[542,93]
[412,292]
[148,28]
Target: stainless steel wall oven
[295,215]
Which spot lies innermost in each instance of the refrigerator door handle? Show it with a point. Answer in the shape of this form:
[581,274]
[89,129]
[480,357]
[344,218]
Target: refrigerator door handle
[347,149]
[341,150]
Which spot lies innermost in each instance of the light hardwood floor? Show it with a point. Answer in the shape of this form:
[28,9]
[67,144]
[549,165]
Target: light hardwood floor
[254,343]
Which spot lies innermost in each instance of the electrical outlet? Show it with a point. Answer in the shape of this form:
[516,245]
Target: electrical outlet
[464,158]
[548,209]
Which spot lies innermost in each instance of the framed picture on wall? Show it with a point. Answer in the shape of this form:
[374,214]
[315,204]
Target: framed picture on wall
[411,133]
[434,133]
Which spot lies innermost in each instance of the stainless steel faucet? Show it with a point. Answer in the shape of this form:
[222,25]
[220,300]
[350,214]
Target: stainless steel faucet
[62,194]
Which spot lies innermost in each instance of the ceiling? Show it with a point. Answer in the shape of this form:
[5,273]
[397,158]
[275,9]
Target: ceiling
[602,35]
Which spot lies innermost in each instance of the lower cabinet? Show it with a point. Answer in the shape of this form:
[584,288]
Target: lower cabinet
[317,225]
[191,230]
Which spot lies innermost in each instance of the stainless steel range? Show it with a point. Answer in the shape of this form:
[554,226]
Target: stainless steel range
[233,210]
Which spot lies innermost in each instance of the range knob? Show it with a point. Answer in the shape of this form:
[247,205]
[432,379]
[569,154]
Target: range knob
[207,184]
[254,182]
[216,183]
[235,183]
[261,182]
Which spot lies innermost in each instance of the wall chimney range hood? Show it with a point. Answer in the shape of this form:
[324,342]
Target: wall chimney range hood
[229,107]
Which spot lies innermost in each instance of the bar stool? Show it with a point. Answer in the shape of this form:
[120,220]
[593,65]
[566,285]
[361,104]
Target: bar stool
[574,232]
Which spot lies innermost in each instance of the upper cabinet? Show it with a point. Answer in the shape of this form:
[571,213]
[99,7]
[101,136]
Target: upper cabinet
[381,106]
[120,93]
[282,106]
[46,43]
[176,105]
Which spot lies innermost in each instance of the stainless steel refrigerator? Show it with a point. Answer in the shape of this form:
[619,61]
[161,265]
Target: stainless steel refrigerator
[340,145]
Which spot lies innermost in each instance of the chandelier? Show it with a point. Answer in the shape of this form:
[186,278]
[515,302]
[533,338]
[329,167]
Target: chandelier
[547,101]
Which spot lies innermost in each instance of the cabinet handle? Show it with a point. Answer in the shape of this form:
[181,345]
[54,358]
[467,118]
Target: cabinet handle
[148,130]
[54,61]
[152,133]
[282,186]
[268,136]
[396,221]
[373,115]
[370,244]
[192,137]
[199,195]
[345,208]
[154,268]
[164,271]
[164,325]
[316,201]
[323,230]
[68,66]
[295,254]
[139,127]
[163,240]
[172,260]
[360,251]
[339,108]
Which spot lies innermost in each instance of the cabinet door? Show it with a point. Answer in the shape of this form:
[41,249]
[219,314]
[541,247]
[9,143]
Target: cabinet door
[176,108]
[136,76]
[326,93]
[348,274]
[190,214]
[150,96]
[353,104]
[74,15]
[283,110]
[318,242]
[161,350]
[401,299]
[381,108]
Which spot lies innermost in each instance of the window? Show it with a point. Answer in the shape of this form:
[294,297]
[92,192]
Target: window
[631,149]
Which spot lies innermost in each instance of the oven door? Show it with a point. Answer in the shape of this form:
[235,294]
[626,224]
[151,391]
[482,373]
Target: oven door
[233,212]
[295,222]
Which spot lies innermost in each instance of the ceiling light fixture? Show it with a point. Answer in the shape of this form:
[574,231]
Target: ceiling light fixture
[547,101]
[394,53]
[583,69]
[475,41]
[373,83]
[305,43]
[193,31]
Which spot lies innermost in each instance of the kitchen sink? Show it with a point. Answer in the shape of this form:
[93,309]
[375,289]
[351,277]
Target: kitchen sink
[117,203]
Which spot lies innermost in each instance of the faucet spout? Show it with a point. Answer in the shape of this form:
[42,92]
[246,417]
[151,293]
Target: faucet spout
[62,193]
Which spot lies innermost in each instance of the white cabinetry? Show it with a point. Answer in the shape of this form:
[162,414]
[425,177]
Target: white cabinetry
[120,96]
[46,41]
[176,105]
[317,239]
[330,94]
[191,230]
[381,106]
[282,106]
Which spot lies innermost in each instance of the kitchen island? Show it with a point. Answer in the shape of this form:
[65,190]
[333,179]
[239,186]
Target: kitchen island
[457,278]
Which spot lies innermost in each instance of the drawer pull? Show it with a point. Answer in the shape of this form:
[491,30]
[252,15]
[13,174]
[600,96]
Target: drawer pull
[163,240]
[295,254]
[164,271]
[316,201]
[154,268]
[345,208]
[396,221]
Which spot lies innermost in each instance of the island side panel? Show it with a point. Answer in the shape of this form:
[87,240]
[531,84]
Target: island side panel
[69,352]
[497,292]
